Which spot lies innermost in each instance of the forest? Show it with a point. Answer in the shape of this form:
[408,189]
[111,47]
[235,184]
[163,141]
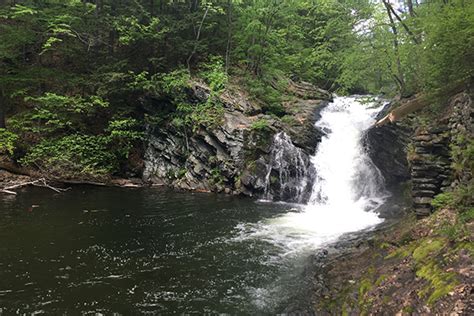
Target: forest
[76,76]
[236,157]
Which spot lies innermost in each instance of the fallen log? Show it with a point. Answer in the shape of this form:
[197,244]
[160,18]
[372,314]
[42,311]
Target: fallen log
[39,183]
[403,110]
[7,191]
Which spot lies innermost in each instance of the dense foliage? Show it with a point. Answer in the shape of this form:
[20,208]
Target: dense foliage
[425,49]
[78,73]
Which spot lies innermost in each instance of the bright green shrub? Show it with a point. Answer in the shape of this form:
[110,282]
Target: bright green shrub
[124,133]
[260,125]
[214,74]
[7,141]
[53,113]
[73,156]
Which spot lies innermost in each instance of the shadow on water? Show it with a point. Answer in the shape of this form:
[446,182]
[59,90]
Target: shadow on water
[149,251]
[95,249]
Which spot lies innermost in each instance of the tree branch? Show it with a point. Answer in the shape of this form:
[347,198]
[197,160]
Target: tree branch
[415,40]
[39,183]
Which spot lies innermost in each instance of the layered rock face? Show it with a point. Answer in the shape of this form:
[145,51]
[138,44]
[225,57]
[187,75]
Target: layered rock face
[424,155]
[387,149]
[430,167]
[236,157]
[431,157]
[461,125]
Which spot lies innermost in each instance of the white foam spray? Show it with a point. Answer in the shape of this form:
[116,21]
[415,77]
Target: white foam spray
[347,190]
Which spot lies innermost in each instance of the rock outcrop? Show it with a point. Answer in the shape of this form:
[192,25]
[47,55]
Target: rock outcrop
[461,125]
[387,148]
[423,155]
[236,157]
[430,167]
[433,166]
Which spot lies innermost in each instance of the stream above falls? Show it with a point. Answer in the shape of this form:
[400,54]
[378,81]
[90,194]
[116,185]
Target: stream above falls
[149,250]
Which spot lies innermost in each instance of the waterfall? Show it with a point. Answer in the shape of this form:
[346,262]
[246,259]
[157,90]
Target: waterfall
[343,195]
[346,188]
[289,172]
[346,175]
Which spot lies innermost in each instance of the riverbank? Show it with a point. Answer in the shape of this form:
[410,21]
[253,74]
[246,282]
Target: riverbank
[232,155]
[10,182]
[413,267]
[422,264]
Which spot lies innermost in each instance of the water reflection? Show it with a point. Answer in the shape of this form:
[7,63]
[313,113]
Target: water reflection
[133,251]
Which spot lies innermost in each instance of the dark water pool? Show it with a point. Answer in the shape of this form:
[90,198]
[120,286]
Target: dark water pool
[139,251]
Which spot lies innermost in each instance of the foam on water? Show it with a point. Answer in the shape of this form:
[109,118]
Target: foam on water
[347,191]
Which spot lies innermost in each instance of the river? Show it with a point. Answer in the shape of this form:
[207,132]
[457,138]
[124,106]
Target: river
[148,251]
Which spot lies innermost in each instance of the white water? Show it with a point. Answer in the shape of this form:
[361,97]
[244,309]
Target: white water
[292,170]
[346,193]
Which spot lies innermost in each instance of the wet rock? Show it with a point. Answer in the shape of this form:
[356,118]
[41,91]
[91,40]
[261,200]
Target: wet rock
[232,157]
[423,211]
[290,173]
[424,180]
[253,179]
[425,186]
[387,149]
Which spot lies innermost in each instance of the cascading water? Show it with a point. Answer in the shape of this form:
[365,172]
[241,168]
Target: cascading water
[347,190]
[345,195]
[289,174]
[169,252]
[348,187]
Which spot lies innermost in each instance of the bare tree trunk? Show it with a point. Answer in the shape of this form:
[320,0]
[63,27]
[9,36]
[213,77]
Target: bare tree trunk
[410,8]
[415,40]
[162,6]
[2,116]
[152,7]
[194,5]
[229,35]
[98,7]
[198,35]
[400,77]
[113,36]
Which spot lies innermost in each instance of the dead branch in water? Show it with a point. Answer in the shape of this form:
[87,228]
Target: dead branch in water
[38,183]
[7,191]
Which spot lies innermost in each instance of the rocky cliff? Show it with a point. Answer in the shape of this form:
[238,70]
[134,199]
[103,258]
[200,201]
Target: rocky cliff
[434,168]
[238,156]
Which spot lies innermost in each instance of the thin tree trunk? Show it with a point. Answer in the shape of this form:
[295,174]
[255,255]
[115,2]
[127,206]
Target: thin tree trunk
[98,7]
[162,6]
[415,40]
[229,35]
[194,6]
[112,32]
[410,8]
[152,7]
[2,115]
[198,35]
[400,76]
